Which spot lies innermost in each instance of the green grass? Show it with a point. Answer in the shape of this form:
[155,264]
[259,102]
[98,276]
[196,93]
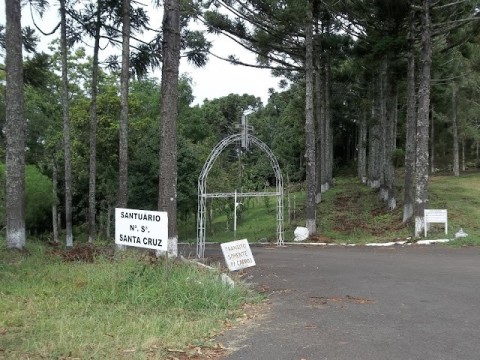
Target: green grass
[351,212]
[257,222]
[128,308]
[461,197]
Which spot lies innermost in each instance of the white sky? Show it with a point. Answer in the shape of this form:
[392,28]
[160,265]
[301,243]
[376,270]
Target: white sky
[217,79]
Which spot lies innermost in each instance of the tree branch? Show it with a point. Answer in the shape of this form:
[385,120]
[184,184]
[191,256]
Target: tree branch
[41,31]
[258,66]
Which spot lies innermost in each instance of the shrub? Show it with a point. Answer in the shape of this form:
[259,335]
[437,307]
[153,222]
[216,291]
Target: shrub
[38,200]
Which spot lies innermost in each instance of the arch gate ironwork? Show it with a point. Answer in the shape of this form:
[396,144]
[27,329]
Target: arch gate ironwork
[245,138]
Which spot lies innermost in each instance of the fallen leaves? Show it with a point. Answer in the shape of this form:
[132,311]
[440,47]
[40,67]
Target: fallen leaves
[340,300]
[359,300]
[216,351]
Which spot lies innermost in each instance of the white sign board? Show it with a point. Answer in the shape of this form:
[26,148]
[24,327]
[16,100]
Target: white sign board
[435,216]
[237,254]
[141,228]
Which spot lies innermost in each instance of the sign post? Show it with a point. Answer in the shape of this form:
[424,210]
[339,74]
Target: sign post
[237,254]
[435,216]
[141,228]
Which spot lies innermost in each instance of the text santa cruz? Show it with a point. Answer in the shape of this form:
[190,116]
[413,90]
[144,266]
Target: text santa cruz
[131,239]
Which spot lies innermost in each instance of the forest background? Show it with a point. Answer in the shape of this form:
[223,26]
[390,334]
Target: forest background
[368,88]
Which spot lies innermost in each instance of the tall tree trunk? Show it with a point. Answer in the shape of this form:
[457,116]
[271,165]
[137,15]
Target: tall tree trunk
[370,153]
[322,125]
[410,141]
[463,155]
[362,148]
[167,190]
[66,128]
[317,100]
[374,152]
[395,119]
[390,131]
[92,183]
[55,201]
[14,128]
[382,113]
[124,82]
[432,142]
[421,193]
[310,207]
[319,130]
[328,124]
[456,160]
[323,96]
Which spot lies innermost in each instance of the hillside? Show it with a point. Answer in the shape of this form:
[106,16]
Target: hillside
[351,212]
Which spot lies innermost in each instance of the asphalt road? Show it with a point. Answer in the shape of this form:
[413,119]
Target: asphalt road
[364,303]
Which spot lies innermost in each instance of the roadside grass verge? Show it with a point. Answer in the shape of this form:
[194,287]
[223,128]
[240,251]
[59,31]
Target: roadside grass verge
[461,197]
[133,307]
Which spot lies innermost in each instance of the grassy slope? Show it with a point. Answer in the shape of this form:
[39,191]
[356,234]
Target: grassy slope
[461,197]
[352,212]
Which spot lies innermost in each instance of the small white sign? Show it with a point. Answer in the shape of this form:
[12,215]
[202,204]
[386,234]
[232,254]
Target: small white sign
[238,254]
[141,228]
[435,216]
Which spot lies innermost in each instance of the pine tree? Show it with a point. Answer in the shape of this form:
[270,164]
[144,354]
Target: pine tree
[167,190]
[15,128]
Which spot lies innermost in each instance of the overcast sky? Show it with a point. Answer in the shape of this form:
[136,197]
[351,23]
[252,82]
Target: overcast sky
[218,78]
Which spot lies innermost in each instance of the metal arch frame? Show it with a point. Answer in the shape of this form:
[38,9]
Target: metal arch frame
[203,195]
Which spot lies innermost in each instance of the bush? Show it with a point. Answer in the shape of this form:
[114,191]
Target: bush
[38,201]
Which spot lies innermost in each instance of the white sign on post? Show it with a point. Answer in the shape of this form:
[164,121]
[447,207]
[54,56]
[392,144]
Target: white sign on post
[141,228]
[237,254]
[435,216]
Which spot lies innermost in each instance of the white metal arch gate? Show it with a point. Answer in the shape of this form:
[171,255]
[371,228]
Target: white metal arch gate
[203,195]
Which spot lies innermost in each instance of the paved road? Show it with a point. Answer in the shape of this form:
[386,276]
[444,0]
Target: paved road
[364,303]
